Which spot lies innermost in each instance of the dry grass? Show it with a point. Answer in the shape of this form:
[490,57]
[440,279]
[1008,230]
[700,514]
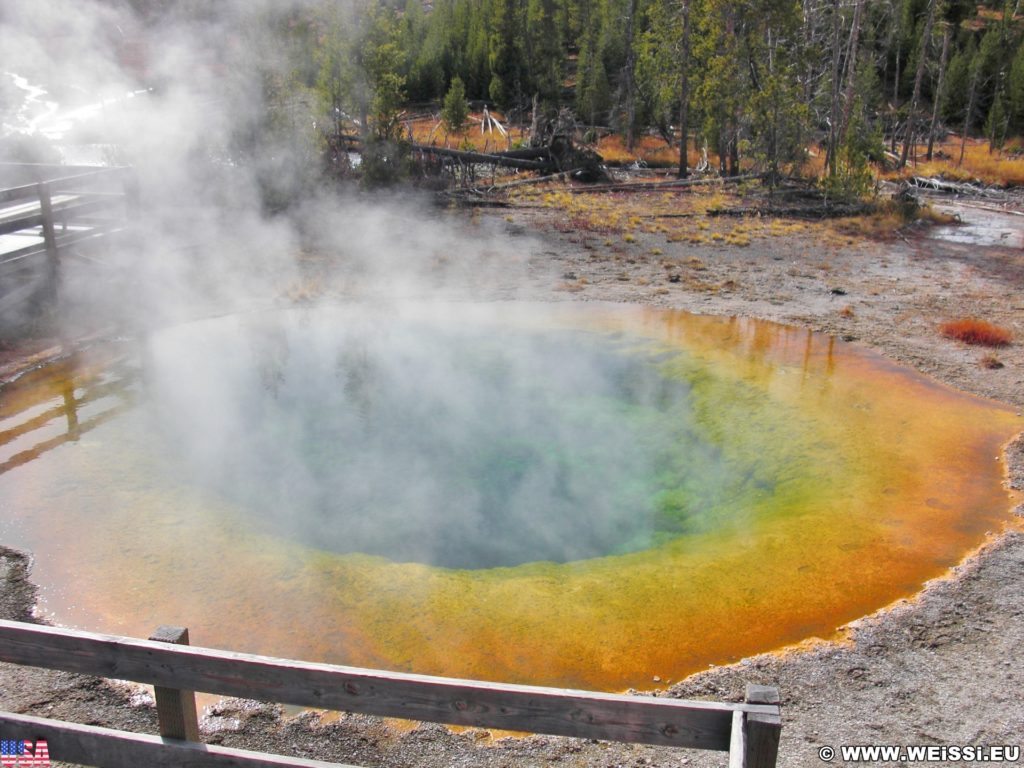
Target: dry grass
[991,362]
[885,222]
[651,149]
[933,216]
[881,225]
[738,238]
[999,169]
[653,218]
[971,330]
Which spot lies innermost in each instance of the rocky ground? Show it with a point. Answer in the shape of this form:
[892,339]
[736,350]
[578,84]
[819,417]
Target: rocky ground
[939,668]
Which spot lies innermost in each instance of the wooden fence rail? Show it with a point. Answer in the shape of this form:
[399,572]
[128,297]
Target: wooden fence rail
[62,183]
[750,730]
[105,747]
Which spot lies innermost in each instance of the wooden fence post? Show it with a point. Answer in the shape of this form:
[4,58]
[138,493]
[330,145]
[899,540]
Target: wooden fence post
[738,740]
[175,708]
[50,239]
[762,732]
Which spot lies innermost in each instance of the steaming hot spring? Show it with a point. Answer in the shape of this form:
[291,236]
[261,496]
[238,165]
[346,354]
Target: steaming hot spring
[578,495]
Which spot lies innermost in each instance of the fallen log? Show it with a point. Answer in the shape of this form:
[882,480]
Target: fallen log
[991,208]
[498,187]
[528,153]
[953,187]
[523,159]
[484,158]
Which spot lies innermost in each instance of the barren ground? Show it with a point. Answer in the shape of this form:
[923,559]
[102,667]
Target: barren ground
[939,668]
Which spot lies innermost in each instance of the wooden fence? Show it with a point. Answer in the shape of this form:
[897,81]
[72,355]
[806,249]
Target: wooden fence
[749,731]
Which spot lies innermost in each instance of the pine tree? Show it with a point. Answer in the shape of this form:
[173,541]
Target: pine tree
[478,72]
[546,59]
[592,89]
[504,53]
[414,27]
[1015,91]
[958,78]
[455,110]
[996,124]
[332,78]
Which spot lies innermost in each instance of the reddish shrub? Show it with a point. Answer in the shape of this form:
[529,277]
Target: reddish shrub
[973,331]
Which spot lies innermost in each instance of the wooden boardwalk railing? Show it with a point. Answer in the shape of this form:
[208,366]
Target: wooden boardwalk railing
[749,731]
[60,207]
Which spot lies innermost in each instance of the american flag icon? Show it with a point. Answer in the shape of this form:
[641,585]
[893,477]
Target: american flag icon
[16,753]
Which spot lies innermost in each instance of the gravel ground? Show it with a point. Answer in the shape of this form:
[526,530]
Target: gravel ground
[938,668]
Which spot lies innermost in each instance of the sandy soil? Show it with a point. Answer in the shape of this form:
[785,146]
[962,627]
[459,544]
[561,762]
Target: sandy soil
[939,668]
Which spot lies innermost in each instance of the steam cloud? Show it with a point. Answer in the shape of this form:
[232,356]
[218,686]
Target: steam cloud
[402,434]
[468,463]
[208,156]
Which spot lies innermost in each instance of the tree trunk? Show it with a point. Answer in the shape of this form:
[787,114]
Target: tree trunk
[937,99]
[684,92]
[807,39]
[734,146]
[970,109]
[895,103]
[851,69]
[773,130]
[938,89]
[629,77]
[992,132]
[535,139]
[918,76]
[833,128]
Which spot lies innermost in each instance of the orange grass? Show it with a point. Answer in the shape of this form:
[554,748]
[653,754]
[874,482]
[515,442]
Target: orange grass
[427,130]
[814,165]
[997,168]
[971,330]
[651,149]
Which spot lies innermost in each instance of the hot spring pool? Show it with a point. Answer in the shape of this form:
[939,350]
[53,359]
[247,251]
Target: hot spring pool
[579,495]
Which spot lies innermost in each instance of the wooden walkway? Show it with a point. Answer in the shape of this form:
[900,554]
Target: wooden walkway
[45,210]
